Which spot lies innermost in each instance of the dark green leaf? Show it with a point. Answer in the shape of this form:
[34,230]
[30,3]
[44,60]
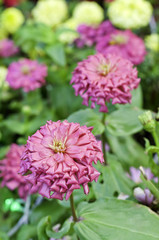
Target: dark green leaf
[41,228]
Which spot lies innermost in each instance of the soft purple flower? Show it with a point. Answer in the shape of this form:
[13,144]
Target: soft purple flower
[26,74]
[7,48]
[103,78]
[59,157]
[89,35]
[123,43]
[135,175]
[144,196]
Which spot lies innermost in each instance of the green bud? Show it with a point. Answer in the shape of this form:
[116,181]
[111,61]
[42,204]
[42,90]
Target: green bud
[147,121]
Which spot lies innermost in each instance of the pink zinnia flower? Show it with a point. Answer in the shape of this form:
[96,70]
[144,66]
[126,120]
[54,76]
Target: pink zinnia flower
[26,74]
[60,157]
[9,168]
[89,35]
[103,78]
[7,48]
[123,43]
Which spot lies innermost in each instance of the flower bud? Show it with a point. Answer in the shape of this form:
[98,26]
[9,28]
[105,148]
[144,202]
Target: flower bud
[143,196]
[147,121]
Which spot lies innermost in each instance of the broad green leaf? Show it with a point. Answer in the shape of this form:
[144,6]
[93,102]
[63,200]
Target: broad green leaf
[44,210]
[90,118]
[27,232]
[62,232]
[116,219]
[112,181]
[124,121]
[41,228]
[3,236]
[128,151]
[57,53]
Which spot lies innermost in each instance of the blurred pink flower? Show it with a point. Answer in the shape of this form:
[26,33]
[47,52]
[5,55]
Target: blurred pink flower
[60,157]
[9,168]
[89,35]
[123,43]
[26,74]
[7,48]
[103,78]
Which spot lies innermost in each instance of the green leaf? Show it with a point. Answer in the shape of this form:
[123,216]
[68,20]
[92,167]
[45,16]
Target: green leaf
[57,53]
[90,118]
[44,210]
[124,122]
[116,219]
[27,232]
[128,151]
[41,228]
[3,236]
[62,232]
[112,181]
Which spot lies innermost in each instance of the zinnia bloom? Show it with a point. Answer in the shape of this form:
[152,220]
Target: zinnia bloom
[130,14]
[7,48]
[103,78]
[26,74]
[9,168]
[50,12]
[11,19]
[60,157]
[89,35]
[90,13]
[123,43]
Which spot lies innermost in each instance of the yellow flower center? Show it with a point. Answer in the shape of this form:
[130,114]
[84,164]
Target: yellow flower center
[58,146]
[104,69]
[118,39]
[25,70]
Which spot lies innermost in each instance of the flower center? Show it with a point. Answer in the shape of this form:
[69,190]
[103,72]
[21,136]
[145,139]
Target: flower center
[25,70]
[118,39]
[104,69]
[58,146]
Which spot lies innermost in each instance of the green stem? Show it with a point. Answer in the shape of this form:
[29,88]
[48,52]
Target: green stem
[103,138]
[155,137]
[75,219]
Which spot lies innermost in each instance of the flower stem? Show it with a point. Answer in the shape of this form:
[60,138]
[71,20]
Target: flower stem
[155,137]
[103,139]
[75,219]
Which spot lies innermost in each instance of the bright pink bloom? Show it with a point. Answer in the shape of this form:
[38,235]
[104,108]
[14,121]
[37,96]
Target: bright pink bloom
[89,35]
[26,74]
[103,78]
[60,157]
[7,48]
[123,43]
[9,168]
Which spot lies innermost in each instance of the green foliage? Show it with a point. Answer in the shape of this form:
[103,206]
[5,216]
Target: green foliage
[112,218]
[89,118]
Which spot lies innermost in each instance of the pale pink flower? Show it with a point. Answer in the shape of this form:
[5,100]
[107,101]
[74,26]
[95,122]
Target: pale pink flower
[101,79]
[123,43]
[59,157]
[26,74]
[7,48]
[9,168]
